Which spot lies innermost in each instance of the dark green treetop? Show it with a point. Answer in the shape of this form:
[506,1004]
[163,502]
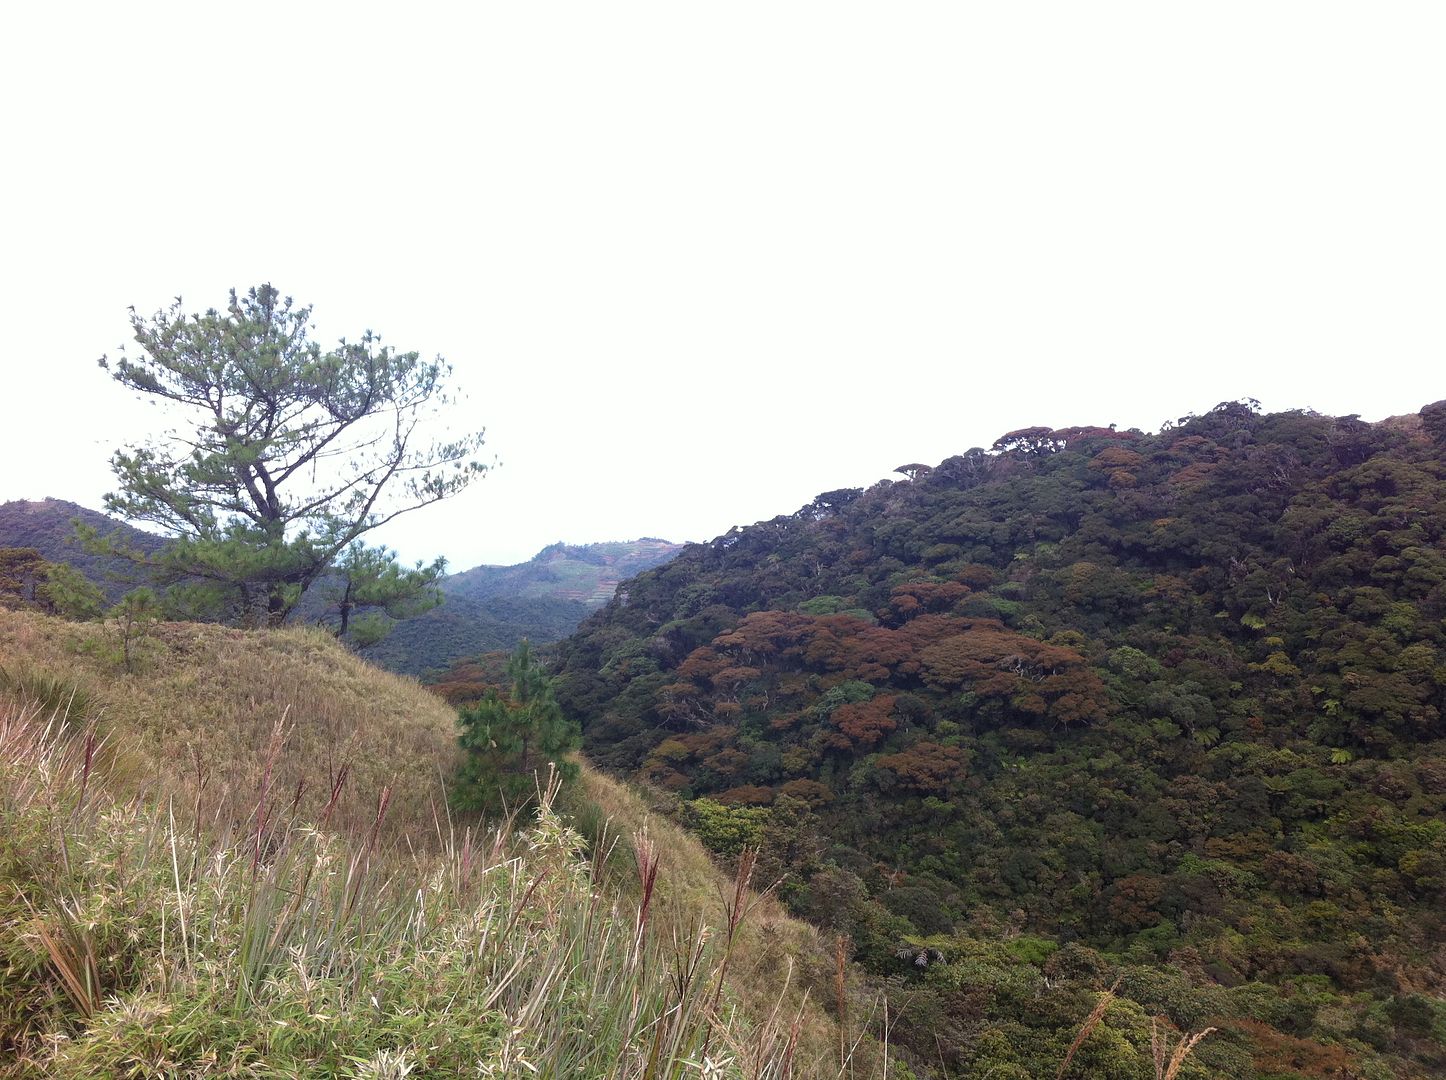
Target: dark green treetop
[368,588]
[510,739]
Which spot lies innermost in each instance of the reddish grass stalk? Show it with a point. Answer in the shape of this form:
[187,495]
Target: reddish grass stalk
[336,787]
[840,995]
[273,750]
[383,801]
[734,908]
[647,858]
[1096,1015]
[794,1031]
[686,964]
[196,815]
[296,796]
[362,860]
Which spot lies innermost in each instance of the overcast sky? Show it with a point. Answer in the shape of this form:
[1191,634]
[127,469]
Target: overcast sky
[696,263]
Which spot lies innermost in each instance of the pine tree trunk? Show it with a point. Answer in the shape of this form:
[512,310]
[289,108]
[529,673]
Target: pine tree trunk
[345,609]
[275,606]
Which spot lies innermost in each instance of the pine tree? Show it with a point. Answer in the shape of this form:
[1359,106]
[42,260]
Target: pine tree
[283,454]
[511,739]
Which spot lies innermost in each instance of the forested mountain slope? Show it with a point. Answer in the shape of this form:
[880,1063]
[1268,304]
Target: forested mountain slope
[1091,704]
[47,526]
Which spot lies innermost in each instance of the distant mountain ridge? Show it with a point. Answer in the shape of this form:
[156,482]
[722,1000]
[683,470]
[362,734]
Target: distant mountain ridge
[585,572]
[489,608]
[47,525]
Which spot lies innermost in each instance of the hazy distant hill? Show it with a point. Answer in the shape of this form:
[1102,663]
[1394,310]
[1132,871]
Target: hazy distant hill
[584,572]
[47,525]
[495,607]
[486,608]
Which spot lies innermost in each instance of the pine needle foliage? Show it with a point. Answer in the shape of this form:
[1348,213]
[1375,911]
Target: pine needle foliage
[283,455]
[510,739]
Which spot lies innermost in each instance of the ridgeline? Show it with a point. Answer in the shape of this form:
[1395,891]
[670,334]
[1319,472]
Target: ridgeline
[1090,706]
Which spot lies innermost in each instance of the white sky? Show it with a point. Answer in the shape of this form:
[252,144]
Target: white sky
[696,263]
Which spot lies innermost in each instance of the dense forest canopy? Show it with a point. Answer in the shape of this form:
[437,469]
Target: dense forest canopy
[1167,705]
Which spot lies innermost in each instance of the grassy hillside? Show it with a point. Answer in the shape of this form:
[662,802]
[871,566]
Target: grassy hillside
[184,890]
[1091,704]
[207,700]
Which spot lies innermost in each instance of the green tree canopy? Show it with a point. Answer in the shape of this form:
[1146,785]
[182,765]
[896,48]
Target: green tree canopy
[284,454]
[511,738]
[368,587]
[29,580]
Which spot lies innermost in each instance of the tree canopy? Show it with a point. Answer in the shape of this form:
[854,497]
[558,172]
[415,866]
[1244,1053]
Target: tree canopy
[1094,704]
[283,454]
[511,737]
[29,581]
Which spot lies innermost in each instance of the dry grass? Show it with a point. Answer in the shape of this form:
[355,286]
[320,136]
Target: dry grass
[210,742]
[1092,1021]
[137,944]
[777,960]
[207,700]
[1167,1061]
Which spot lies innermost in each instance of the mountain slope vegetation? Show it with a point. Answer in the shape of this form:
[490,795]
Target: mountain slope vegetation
[236,860]
[47,526]
[1091,705]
